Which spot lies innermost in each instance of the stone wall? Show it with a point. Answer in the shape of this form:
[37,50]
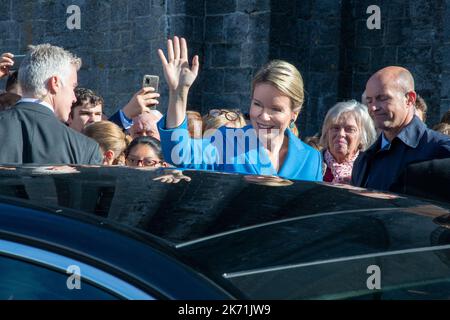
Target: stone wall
[412,35]
[326,39]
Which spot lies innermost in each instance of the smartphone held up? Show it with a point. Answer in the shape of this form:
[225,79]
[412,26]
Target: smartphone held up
[153,82]
[150,81]
[17,61]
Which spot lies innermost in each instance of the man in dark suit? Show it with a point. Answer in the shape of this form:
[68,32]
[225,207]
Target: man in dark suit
[34,130]
[404,139]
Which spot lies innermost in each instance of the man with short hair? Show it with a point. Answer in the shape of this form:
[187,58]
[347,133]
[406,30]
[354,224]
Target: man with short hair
[404,139]
[86,110]
[33,131]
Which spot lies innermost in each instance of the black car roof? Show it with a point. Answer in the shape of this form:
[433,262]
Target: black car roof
[210,204]
[229,225]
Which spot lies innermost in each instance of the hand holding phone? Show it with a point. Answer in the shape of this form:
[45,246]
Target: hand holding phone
[18,58]
[6,62]
[143,100]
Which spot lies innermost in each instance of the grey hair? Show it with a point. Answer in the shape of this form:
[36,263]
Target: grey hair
[40,64]
[362,117]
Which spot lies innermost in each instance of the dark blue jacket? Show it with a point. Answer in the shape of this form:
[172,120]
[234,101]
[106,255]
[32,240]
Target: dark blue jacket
[116,119]
[121,120]
[379,169]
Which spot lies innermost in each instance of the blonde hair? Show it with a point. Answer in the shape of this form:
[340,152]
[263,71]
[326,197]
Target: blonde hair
[194,120]
[211,122]
[286,78]
[110,137]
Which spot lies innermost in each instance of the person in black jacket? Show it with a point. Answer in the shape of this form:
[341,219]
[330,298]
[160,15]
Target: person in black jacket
[404,139]
[34,130]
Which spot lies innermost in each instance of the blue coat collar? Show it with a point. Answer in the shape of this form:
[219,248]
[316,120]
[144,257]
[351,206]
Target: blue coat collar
[409,135]
[412,133]
[294,146]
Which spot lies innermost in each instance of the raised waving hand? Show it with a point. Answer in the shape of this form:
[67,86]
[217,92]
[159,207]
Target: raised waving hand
[179,75]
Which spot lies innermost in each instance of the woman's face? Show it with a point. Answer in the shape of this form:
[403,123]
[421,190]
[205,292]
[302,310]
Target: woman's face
[270,111]
[344,137]
[143,155]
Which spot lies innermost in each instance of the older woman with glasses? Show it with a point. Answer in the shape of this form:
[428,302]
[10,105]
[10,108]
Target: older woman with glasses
[347,130]
[265,147]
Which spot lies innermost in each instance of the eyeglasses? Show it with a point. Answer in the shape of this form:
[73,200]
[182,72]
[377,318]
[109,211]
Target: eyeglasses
[230,115]
[146,162]
[348,129]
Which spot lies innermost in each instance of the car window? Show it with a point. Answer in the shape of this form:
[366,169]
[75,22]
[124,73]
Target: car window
[20,280]
[408,274]
[58,273]
[328,257]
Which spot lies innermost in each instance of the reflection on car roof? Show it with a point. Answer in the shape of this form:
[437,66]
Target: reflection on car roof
[336,260]
[318,215]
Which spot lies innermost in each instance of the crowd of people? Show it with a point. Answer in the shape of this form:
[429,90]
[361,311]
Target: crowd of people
[45,118]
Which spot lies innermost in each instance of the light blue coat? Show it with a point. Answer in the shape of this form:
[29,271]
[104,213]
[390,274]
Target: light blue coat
[225,153]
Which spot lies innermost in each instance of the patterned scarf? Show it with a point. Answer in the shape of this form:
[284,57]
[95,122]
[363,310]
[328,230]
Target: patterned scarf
[342,172]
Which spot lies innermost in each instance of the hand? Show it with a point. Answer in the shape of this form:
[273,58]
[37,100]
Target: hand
[6,62]
[141,102]
[177,72]
[174,177]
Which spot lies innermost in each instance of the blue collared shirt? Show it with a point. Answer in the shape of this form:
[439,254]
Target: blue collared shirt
[385,144]
[378,168]
[226,153]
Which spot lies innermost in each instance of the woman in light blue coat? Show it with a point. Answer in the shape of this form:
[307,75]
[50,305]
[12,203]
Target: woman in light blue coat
[265,147]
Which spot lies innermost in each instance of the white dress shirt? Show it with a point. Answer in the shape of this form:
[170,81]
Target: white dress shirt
[33,100]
